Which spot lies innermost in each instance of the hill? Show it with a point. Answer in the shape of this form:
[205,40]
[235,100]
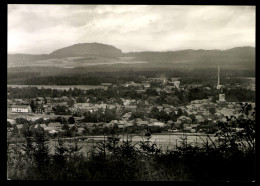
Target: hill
[87,49]
[102,56]
[244,56]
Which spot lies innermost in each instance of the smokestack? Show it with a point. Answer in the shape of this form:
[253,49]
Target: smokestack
[218,86]
[218,76]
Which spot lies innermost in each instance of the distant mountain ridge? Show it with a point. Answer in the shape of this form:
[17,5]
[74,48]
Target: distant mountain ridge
[235,56]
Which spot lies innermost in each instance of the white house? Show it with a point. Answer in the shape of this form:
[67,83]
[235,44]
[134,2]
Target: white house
[21,108]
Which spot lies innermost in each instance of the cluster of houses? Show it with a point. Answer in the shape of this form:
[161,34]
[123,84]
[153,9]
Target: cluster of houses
[200,109]
[168,85]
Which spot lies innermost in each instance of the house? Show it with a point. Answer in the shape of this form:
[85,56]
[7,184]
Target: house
[54,126]
[21,108]
[40,98]
[39,109]
[188,128]
[40,125]
[176,84]
[126,116]
[142,123]
[184,119]
[199,118]
[129,83]
[160,108]
[121,124]
[60,104]
[113,122]
[132,107]
[146,85]
[153,120]
[82,105]
[127,102]
[159,124]
[48,100]
[128,124]
[48,109]
[111,106]
[56,99]
[195,102]
[9,107]
[38,101]
[169,88]
[19,101]
[103,106]
[80,130]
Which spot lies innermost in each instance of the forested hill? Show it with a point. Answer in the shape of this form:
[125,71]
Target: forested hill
[236,56]
[86,49]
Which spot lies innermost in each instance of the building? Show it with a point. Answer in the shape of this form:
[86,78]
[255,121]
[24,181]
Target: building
[222,97]
[54,126]
[218,86]
[39,109]
[21,108]
[126,116]
[39,101]
[177,84]
[184,119]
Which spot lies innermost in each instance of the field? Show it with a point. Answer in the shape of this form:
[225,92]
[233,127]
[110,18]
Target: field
[61,87]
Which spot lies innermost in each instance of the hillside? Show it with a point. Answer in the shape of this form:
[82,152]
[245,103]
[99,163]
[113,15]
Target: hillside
[87,49]
[100,56]
[236,56]
[25,59]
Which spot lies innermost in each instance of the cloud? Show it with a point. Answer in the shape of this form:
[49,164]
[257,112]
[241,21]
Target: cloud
[44,28]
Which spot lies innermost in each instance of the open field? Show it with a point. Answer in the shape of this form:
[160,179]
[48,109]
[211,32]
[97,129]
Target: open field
[61,87]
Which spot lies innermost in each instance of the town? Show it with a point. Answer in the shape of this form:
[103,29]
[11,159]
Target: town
[156,105]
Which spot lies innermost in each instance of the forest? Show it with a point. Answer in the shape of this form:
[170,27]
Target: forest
[84,76]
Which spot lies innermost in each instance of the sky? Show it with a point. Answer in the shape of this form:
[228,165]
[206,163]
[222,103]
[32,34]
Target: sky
[41,29]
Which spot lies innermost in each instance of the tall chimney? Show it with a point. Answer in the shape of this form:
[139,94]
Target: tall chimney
[218,76]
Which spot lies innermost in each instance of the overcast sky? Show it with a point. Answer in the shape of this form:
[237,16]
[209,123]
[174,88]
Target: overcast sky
[41,29]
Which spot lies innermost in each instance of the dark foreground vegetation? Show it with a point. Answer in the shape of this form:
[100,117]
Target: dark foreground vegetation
[230,158]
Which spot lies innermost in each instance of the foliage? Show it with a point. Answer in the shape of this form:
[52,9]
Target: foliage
[229,158]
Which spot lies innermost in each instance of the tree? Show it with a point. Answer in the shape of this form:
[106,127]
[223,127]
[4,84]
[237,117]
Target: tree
[21,120]
[193,118]
[173,100]
[163,116]
[39,121]
[180,112]
[67,131]
[62,120]
[9,124]
[212,111]
[80,100]
[151,92]
[154,113]
[71,120]
[85,131]
[32,105]
[137,114]
[15,131]
[71,102]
